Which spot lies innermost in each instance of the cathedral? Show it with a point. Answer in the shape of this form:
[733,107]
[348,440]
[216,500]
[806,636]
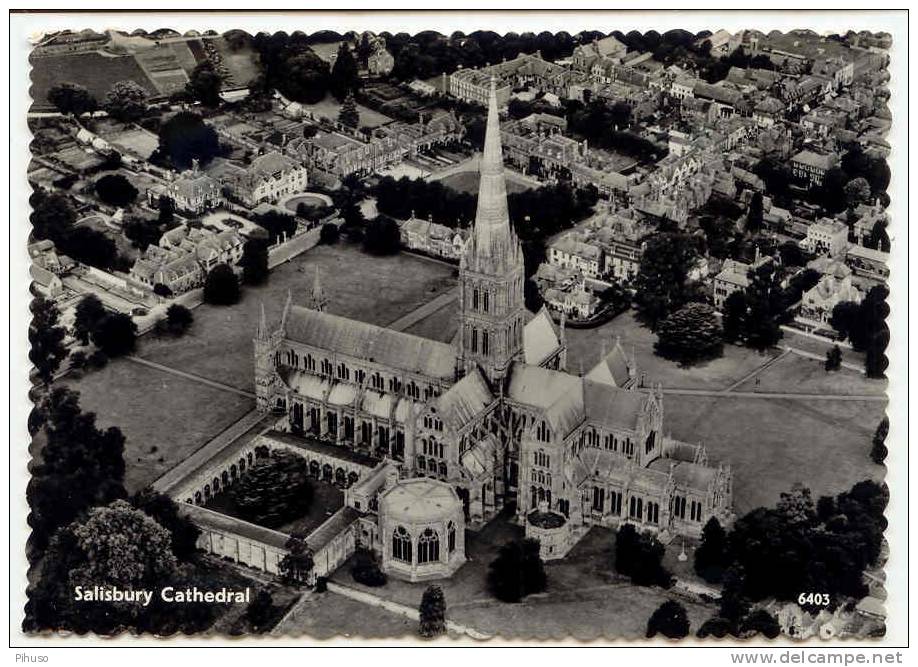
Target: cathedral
[494,417]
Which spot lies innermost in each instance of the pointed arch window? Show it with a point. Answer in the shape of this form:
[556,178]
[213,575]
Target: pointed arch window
[451,537]
[401,545]
[485,343]
[428,547]
[486,301]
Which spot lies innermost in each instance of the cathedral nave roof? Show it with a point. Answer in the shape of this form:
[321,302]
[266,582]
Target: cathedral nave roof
[393,349]
[540,340]
[611,407]
[465,400]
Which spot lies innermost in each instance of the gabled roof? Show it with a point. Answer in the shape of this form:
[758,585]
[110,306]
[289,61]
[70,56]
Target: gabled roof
[611,407]
[370,342]
[540,339]
[465,400]
[613,369]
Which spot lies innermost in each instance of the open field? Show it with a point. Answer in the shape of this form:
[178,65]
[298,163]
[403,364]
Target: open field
[440,325]
[373,289]
[581,589]
[329,108]
[773,443]
[163,417]
[91,70]
[794,373]
[328,615]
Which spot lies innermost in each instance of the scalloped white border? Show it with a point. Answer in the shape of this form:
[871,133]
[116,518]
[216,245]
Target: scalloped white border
[471,16]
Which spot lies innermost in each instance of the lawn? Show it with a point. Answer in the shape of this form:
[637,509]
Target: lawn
[584,350]
[91,70]
[327,615]
[772,443]
[374,289]
[467,181]
[329,108]
[327,499]
[164,418]
[581,588]
[796,374]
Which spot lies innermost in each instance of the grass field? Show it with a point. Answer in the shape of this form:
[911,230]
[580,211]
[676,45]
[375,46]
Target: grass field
[94,72]
[467,181]
[361,286]
[329,108]
[797,374]
[328,615]
[585,598]
[440,325]
[164,418]
[772,443]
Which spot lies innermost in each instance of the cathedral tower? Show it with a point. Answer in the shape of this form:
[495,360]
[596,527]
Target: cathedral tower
[491,311]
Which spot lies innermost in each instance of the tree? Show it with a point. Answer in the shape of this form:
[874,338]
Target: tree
[116,190]
[89,246]
[87,315]
[255,261]
[258,612]
[115,334]
[126,101]
[178,319]
[162,509]
[845,318]
[366,570]
[276,490]
[166,208]
[142,232]
[186,137]
[878,450]
[383,236]
[833,358]
[78,360]
[711,558]
[52,215]
[296,565]
[205,84]
[344,79]
[348,114]
[857,191]
[81,466]
[72,98]
[221,287]
[661,279]
[734,316]
[754,214]
[517,571]
[46,339]
[432,613]
[690,334]
[760,622]
[763,329]
[329,233]
[640,557]
[670,620]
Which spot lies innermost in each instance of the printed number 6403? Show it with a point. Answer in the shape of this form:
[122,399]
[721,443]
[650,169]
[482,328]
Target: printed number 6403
[817,599]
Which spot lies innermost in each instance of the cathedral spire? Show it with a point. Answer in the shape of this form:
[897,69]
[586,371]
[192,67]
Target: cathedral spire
[492,235]
[261,333]
[287,306]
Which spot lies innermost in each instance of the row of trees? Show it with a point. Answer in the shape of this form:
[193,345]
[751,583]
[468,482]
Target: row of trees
[125,101]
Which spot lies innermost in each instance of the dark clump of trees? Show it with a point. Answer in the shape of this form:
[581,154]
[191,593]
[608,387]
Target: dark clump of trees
[662,285]
[221,287]
[185,138]
[802,546]
[833,358]
[290,66]
[274,491]
[255,261]
[177,321]
[878,450]
[329,234]
[296,565]
[87,315]
[72,98]
[344,79]
[640,557]
[366,569]
[46,339]
[81,465]
[53,217]
[260,611]
[115,334]
[517,571]
[277,224]
[670,620]
[116,190]
[691,334]
[711,558]
[864,325]
[382,236]
[184,534]
[126,101]
[204,84]
[432,613]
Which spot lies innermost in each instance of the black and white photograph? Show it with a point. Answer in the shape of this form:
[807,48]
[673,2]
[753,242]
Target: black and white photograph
[462,336]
